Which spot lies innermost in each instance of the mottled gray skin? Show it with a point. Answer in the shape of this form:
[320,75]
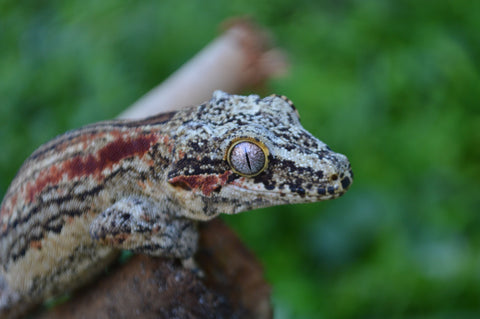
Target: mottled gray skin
[142,185]
[301,168]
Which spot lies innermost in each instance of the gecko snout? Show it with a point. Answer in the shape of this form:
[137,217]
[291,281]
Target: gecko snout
[340,177]
[345,178]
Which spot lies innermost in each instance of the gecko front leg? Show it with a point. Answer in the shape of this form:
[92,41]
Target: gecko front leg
[138,224]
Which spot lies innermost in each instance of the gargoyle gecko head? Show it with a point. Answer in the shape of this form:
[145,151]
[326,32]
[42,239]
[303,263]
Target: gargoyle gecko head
[236,153]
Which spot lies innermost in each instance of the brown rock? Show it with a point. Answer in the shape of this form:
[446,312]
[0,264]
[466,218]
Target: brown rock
[232,285]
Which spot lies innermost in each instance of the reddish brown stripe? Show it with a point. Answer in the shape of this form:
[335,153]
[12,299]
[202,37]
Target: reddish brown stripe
[92,164]
[47,177]
[205,183]
[107,156]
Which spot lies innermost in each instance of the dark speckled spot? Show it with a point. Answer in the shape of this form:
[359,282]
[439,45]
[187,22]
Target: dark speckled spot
[296,189]
[331,190]
[300,191]
[321,191]
[345,182]
[270,186]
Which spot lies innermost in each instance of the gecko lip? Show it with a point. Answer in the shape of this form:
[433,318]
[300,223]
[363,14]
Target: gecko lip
[329,192]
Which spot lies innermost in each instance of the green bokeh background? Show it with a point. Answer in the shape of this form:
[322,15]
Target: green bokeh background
[394,85]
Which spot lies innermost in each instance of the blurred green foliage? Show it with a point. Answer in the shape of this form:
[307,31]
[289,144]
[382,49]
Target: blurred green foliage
[394,85]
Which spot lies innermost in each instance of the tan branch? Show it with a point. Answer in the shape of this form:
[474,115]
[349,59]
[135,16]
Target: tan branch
[240,58]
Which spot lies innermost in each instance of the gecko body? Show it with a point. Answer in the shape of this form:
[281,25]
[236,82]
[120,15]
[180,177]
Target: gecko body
[142,185]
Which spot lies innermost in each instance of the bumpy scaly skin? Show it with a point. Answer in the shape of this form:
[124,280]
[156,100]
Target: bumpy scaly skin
[142,184]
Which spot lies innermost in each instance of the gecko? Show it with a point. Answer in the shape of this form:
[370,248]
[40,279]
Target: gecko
[143,185]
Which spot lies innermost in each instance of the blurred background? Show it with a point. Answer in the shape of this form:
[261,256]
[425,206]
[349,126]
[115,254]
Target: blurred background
[394,85]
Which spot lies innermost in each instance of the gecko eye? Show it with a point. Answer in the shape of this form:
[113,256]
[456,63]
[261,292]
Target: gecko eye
[247,156]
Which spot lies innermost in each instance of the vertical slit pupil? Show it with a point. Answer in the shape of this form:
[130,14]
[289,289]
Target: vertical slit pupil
[248,160]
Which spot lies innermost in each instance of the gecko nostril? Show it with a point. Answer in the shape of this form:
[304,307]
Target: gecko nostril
[334,177]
